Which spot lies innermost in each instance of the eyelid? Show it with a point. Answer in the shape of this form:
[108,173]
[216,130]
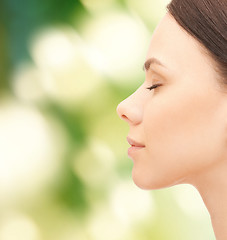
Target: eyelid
[153,74]
[154,86]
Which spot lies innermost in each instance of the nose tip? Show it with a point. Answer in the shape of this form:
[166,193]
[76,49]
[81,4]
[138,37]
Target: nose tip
[128,111]
[120,112]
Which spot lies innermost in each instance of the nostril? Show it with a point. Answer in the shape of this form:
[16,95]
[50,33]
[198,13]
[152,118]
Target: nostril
[124,117]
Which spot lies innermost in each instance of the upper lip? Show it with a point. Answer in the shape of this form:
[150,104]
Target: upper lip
[133,143]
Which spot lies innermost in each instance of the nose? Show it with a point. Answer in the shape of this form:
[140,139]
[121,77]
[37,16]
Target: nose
[130,110]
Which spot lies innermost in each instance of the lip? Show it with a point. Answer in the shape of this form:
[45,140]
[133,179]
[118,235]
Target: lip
[135,146]
[133,143]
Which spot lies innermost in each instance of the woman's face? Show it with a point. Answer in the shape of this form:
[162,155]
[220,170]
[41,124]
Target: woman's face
[179,126]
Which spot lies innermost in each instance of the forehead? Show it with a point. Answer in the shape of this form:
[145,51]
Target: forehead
[178,50]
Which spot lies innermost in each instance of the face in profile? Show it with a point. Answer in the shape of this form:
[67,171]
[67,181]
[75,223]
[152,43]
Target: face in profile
[177,116]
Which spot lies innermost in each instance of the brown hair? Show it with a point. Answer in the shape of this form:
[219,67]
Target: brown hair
[206,21]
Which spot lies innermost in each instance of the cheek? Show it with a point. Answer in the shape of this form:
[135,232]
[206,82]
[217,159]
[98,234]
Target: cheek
[181,137]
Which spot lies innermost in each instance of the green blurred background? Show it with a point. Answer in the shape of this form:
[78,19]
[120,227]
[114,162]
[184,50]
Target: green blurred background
[64,170]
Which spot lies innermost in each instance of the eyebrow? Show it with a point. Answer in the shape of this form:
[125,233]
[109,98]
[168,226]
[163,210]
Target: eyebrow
[151,61]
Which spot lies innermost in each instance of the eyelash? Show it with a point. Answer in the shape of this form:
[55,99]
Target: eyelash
[154,86]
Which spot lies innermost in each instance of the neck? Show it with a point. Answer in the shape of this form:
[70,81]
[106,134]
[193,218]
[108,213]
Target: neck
[212,186]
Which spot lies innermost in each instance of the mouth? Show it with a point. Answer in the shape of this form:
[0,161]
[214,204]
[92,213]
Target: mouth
[133,143]
[135,146]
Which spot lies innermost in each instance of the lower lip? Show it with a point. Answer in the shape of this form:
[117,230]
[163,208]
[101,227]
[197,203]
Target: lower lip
[132,150]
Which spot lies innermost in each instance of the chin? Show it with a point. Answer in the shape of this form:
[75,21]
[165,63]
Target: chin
[153,183]
[147,184]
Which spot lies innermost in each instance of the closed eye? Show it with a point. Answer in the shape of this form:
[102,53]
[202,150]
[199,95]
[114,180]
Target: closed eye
[154,86]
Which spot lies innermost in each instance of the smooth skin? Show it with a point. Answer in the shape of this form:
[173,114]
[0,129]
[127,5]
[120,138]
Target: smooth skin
[182,123]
